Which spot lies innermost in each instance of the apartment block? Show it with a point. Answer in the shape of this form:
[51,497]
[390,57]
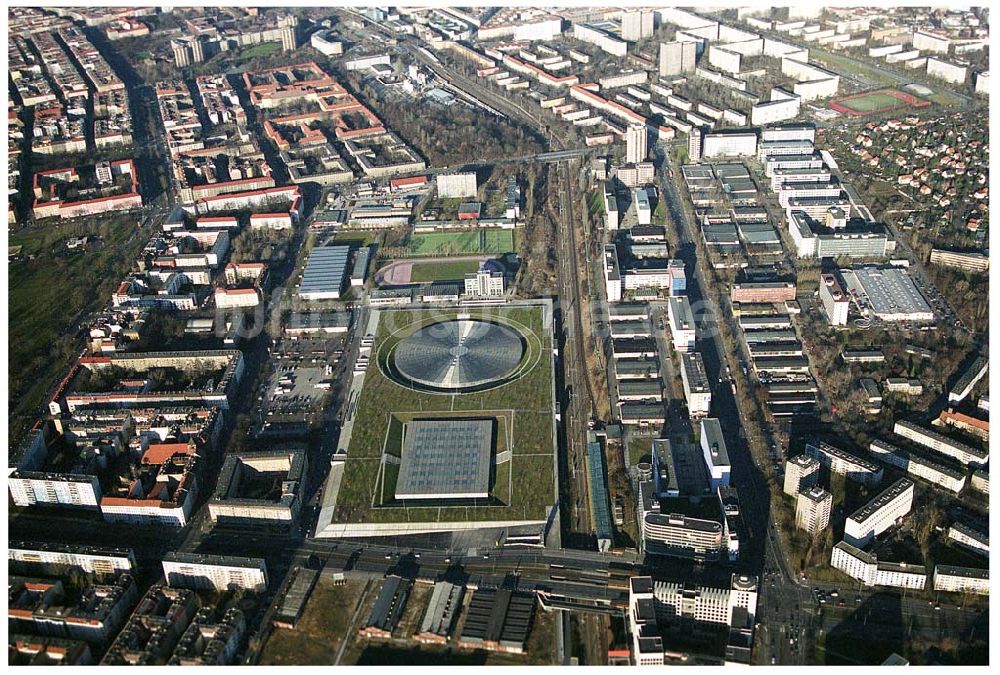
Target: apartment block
[221,573]
[812,510]
[842,462]
[867,569]
[91,559]
[879,514]
[953,579]
[801,472]
[965,454]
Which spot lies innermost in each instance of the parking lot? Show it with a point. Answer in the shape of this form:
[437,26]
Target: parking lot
[297,387]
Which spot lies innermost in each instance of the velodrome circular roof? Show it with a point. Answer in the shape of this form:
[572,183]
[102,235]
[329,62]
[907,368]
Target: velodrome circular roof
[458,355]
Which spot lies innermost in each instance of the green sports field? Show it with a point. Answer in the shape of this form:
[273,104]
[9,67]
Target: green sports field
[467,242]
[442,271]
[871,102]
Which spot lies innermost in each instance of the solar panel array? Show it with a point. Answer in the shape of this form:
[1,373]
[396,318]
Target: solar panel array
[446,459]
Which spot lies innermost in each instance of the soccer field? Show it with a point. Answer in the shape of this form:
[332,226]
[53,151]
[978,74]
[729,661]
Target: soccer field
[442,271]
[872,102]
[879,101]
[462,243]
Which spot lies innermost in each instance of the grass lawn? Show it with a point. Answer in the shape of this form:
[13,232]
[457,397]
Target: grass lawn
[47,296]
[443,271]
[871,102]
[320,631]
[498,241]
[639,448]
[445,243]
[530,398]
[258,50]
[355,237]
[943,99]
[849,67]
[468,242]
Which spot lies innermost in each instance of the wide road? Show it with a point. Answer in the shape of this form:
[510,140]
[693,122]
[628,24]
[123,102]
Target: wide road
[760,549]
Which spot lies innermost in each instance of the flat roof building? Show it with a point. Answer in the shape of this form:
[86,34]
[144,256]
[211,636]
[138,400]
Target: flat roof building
[323,277]
[969,379]
[966,454]
[678,470]
[683,331]
[260,487]
[888,293]
[867,569]
[812,510]
[218,572]
[842,462]
[713,446]
[801,472]
[880,513]
[936,472]
[90,559]
[954,579]
[679,535]
[734,605]
[969,538]
[695,382]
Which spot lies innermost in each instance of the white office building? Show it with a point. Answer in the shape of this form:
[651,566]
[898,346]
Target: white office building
[677,58]
[879,514]
[696,390]
[713,447]
[949,72]
[930,42]
[612,274]
[327,43]
[484,284]
[775,110]
[683,332]
[643,213]
[636,25]
[729,144]
[836,304]
[700,604]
